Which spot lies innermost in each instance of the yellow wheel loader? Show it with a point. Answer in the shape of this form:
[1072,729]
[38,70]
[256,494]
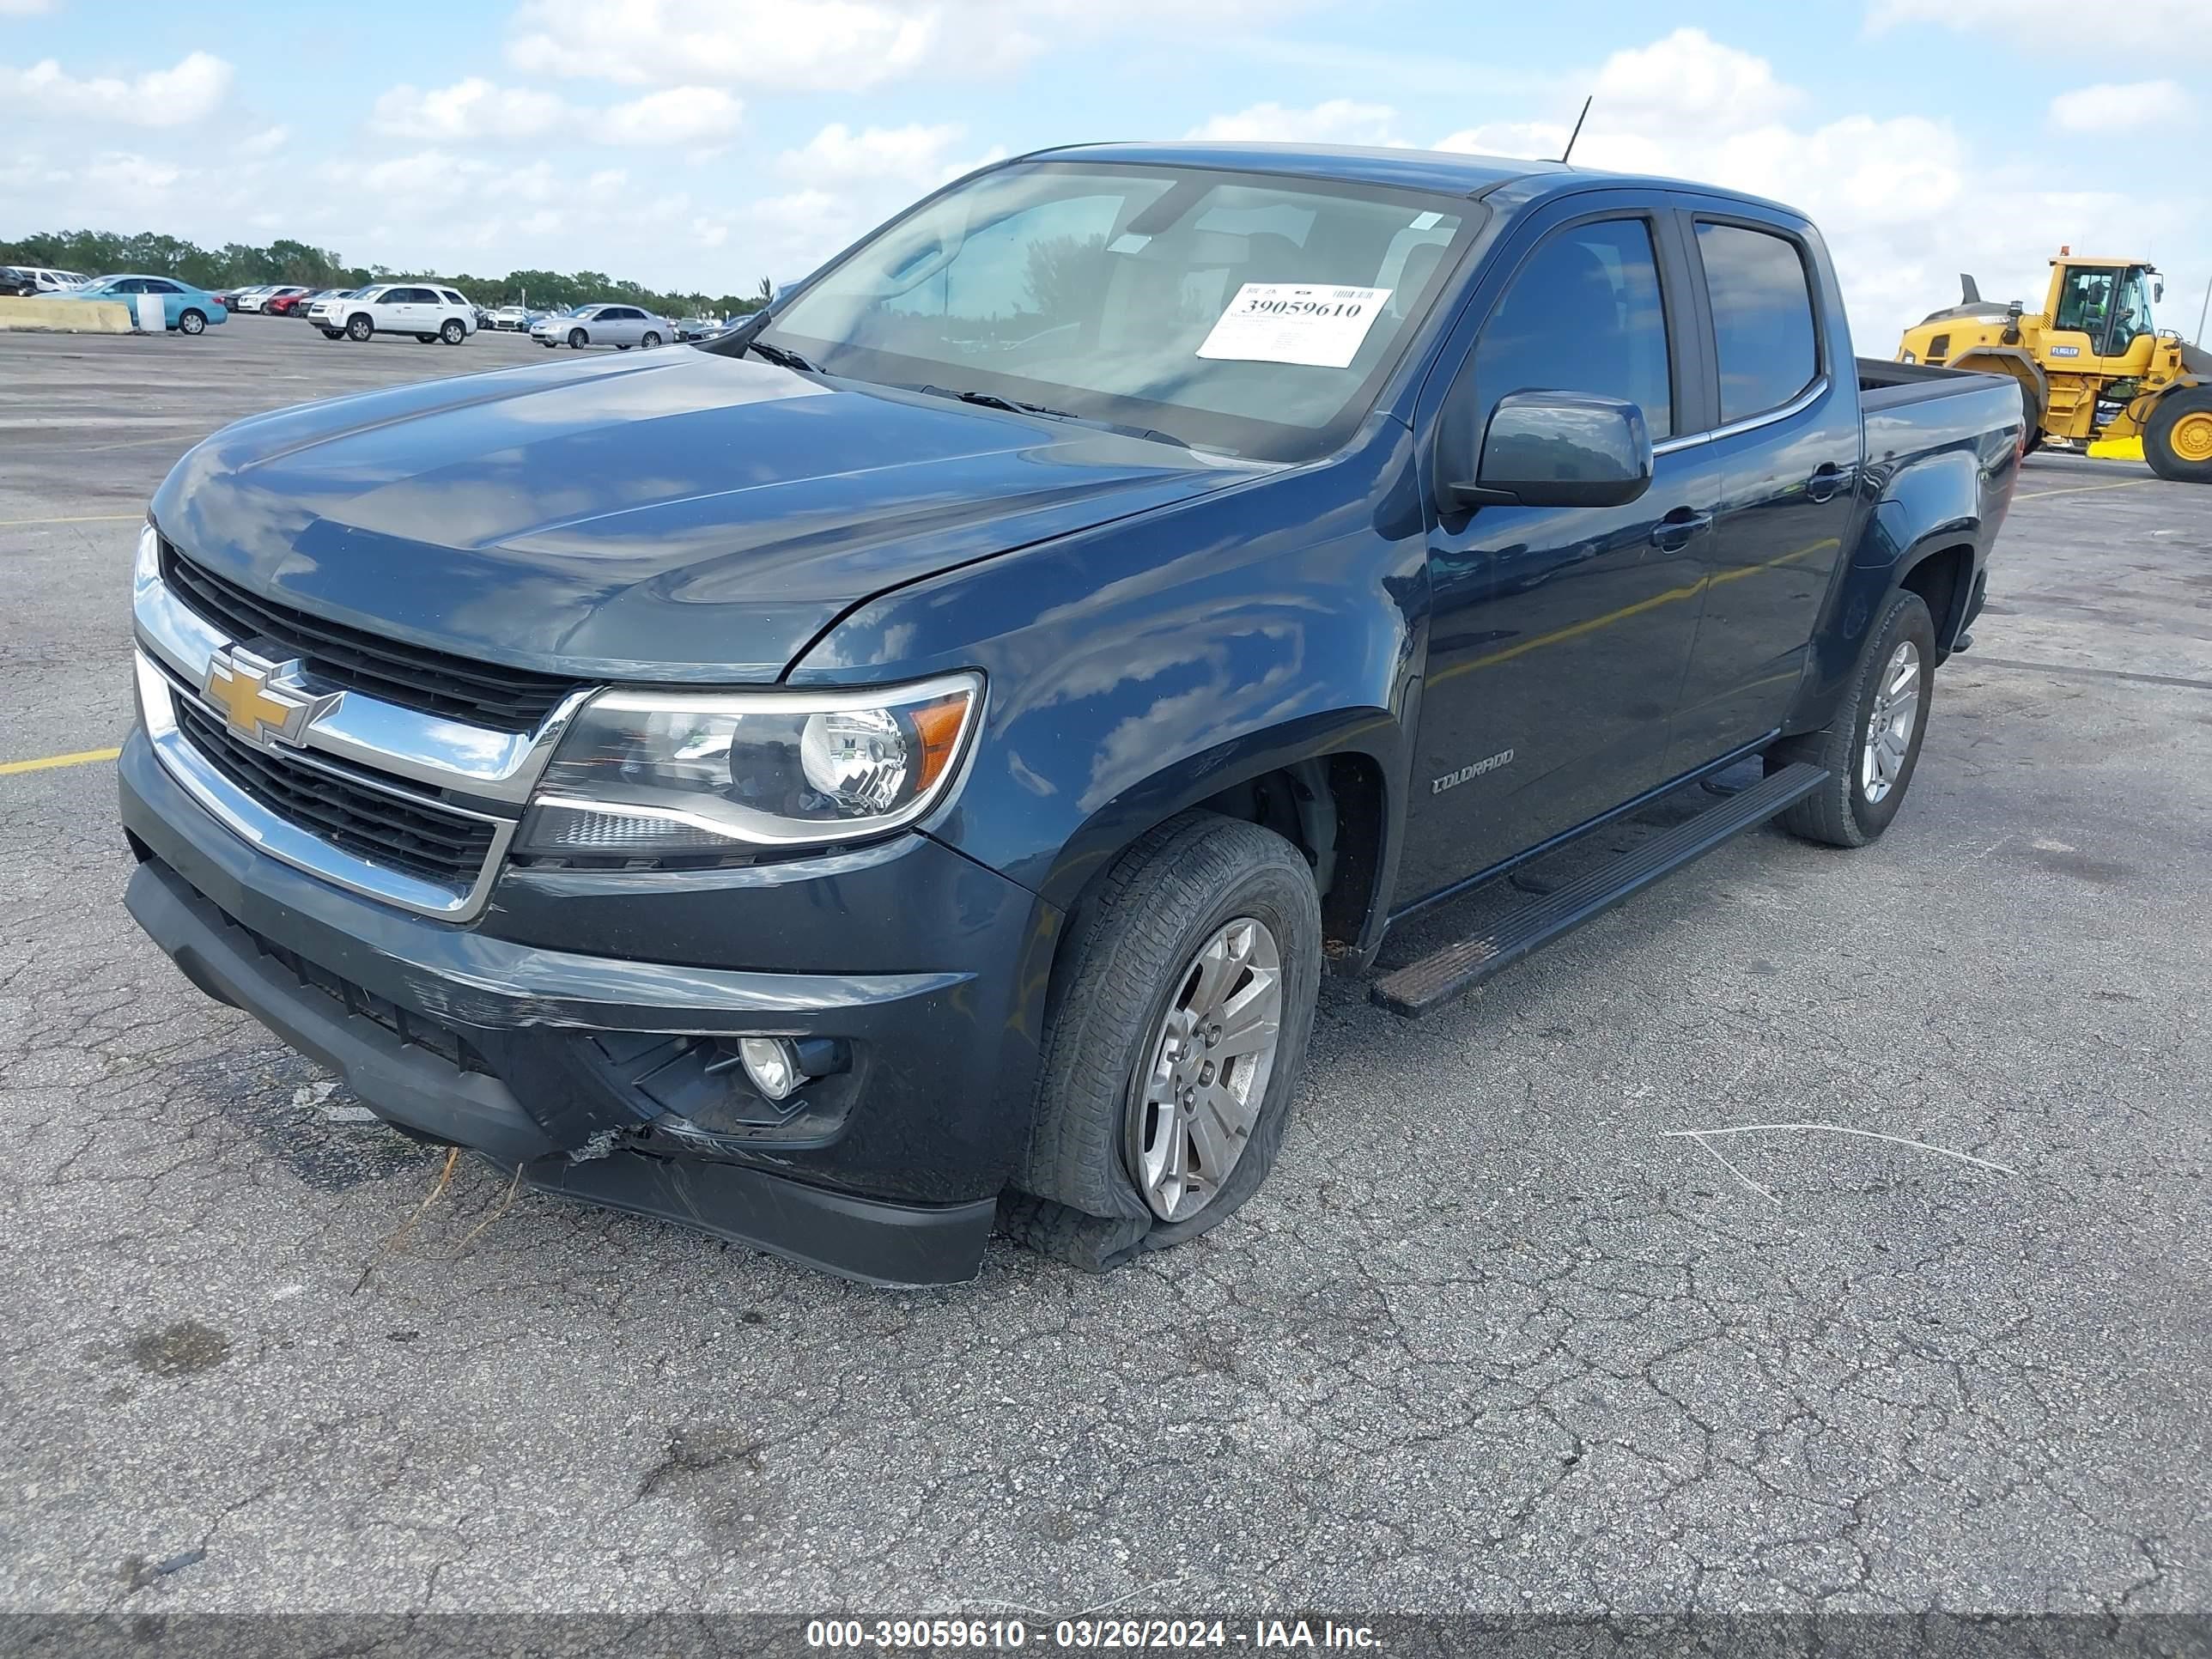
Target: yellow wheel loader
[2090,364]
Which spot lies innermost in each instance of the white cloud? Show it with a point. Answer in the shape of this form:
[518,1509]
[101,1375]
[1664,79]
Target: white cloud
[2107,107]
[193,88]
[1903,203]
[837,157]
[819,45]
[678,115]
[2059,25]
[25,7]
[468,111]
[844,46]
[267,142]
[477,111]
[1337,121]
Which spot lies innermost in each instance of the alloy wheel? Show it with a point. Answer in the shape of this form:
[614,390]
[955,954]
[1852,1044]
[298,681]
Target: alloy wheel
[1890,723]
[1192,1111]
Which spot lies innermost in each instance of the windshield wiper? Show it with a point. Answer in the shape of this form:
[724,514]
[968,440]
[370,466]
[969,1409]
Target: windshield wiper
[992,400]
[781,356]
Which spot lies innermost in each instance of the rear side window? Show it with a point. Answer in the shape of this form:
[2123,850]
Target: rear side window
[1584,315]
[1762,318]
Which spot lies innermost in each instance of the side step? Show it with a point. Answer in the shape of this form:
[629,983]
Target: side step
[1420,985]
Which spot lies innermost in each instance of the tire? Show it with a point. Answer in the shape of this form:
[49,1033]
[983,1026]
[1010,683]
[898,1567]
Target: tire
[2177,438]
[334,334]
[454,331]
[620,347]
[1860,799]
[1193,886]
[426,339]
[651,340]
[193,322]
[360,326]
[577,339]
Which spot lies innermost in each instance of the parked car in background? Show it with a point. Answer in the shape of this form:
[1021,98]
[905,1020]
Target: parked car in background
[16,282]
[46,280]
[232,296]
[184,309]
[258,298]
[426,310]
[699,328]
[287,302]
[510,319]
[605,323]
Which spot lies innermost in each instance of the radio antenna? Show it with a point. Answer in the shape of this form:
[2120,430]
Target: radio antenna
[1576,133]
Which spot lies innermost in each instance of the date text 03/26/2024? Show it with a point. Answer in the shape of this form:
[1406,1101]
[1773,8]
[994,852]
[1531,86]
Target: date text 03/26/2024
[1108,1634]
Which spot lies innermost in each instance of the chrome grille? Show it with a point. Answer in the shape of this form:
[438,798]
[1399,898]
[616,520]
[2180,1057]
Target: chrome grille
[392,671]
[403,833]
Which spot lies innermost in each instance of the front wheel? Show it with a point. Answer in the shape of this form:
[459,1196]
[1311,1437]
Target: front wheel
[576,338]
[2177,438]
[1871,747]
[1171,1054]
[454,331]
[360,328]
[193,322]
[334,334]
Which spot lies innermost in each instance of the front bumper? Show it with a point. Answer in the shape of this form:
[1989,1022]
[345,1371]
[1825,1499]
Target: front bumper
[524,1035]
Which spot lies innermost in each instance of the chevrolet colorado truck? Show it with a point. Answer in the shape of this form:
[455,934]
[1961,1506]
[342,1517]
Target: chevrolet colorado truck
[903,766]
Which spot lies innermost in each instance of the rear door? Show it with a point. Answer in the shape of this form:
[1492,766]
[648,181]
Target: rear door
[1558,636]
[1787,442]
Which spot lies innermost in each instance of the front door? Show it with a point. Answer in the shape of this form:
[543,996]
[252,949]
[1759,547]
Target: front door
[1558,636]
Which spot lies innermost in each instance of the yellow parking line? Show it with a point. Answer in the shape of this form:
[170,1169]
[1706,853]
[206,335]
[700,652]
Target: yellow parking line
[2083,489]
[82,757]
[90,518]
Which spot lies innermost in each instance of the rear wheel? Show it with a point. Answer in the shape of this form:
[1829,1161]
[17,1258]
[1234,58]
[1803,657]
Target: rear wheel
[193,322]
[360,326]
[1171,1056]
[454,331]
[2177,438]
[1872,745]
[650,341]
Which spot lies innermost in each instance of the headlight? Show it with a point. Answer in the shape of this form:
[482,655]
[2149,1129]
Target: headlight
[653,774]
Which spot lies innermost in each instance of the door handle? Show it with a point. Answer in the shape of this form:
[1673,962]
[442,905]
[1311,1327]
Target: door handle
[1827,479]
[1672,533]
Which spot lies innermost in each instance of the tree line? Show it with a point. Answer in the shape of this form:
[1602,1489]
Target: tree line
[239,264]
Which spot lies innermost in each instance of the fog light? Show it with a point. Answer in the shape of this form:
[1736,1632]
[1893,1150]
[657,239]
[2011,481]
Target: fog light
[772,1063]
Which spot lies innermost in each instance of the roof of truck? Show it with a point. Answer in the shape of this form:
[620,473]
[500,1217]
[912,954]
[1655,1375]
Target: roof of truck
[1442,171]
[1407,169]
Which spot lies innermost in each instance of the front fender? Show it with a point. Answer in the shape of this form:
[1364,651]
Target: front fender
[1139,668]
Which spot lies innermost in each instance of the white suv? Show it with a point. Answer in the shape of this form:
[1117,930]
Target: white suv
[427,311]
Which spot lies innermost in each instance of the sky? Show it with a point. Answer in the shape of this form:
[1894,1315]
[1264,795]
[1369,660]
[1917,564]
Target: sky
[704,145]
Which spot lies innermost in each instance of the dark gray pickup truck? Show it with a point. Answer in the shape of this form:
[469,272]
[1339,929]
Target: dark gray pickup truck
[902,766]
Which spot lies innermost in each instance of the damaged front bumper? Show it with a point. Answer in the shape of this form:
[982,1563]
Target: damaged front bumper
[605,1077]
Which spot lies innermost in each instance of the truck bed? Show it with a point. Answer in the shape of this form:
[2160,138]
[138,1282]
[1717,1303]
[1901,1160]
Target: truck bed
[1886,384]
[1910,408]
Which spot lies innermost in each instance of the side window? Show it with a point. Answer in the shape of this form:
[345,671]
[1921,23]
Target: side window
[451,298]
[1583,314]
[156,285]
[1762,318]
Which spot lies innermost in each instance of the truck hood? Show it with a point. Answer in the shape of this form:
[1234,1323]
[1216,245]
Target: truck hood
[674,515]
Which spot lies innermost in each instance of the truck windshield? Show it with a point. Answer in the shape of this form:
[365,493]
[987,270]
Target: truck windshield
[1230,311]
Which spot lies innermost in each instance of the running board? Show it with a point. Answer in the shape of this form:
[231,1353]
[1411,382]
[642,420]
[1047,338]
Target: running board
[1429,983]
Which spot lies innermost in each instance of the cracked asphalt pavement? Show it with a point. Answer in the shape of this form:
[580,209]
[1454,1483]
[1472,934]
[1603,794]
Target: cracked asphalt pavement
[1491,1340]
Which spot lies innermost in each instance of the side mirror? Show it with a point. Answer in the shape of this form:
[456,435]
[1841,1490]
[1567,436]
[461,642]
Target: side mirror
[1555,449]
[2158,289]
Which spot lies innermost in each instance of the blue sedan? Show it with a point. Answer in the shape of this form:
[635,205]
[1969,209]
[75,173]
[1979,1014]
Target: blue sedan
[187,309]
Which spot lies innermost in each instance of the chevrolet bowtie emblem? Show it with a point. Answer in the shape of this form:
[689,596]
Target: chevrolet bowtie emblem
[255,700]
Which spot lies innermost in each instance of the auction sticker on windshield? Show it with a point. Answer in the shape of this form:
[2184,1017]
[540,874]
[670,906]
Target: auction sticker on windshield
[1292,323]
